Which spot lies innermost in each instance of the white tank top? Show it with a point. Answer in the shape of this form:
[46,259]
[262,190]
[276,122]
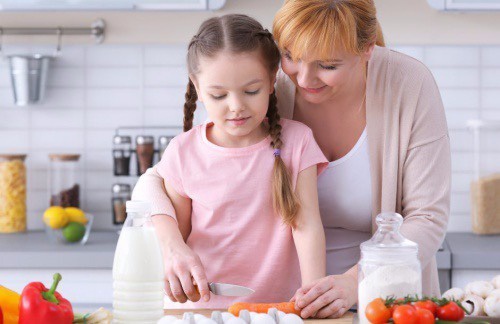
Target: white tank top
[344,190]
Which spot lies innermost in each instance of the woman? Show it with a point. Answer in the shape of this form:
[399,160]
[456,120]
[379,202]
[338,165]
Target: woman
[378,117]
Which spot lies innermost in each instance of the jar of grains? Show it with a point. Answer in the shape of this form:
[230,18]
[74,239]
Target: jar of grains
[64,184]
[12,193]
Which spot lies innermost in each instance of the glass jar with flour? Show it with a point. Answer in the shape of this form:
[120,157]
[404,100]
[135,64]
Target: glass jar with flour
[389,264]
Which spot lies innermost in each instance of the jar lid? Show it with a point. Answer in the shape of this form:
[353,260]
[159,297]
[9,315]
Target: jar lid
[387,238]
[137,206]
[144,139]
[122,139]
[121,188]
[64,157]
[11,157]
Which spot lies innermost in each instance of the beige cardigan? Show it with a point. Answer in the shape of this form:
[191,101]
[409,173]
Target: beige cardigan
[409,153]
[409,150]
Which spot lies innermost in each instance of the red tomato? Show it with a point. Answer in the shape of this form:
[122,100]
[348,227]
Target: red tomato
[376,312]
[425,316]
[426,304]
[405,314]
[450,312]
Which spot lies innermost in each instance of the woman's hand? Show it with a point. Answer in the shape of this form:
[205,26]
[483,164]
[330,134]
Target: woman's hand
[183,269]
[328,297]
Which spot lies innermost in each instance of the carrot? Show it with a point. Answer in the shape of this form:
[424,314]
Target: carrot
[285,307]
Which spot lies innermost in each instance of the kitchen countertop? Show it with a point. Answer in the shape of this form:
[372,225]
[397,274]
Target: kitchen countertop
[34,250]
[472,251]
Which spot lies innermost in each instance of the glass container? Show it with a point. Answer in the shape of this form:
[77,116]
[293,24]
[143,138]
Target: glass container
[163,142]
[64,182]
[145,153]
[12,193]
[389,264]
[121,194]
[122,146]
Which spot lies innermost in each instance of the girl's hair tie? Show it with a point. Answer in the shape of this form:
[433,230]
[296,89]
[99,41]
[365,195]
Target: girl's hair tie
[277,152]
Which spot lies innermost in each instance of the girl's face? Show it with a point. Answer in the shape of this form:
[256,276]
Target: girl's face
[320,81]
[235,89]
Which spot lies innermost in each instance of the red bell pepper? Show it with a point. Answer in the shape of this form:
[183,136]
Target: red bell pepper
[1,316]
[43,306]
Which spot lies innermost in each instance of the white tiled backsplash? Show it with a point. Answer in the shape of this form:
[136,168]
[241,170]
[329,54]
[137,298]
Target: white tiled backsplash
[94,89]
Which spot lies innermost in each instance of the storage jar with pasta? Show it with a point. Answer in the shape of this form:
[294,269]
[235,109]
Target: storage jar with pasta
[64,182]
[12,193]
[485,185]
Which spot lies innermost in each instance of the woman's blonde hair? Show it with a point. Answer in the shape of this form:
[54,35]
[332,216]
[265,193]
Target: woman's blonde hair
[318,26]
[242,34]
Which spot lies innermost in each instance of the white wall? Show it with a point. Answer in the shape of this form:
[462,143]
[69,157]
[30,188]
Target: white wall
[93,90]
[130,80]
[403,22]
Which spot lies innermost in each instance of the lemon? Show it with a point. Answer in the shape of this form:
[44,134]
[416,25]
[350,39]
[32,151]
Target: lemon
[76,215]
[73,232]
[55,217]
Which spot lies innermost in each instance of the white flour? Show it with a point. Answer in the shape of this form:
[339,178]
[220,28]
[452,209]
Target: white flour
[391,280]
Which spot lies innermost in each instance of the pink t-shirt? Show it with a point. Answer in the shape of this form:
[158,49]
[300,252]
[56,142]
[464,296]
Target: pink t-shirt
[235,231]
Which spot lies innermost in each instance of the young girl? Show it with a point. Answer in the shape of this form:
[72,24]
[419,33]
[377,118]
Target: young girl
[244,185]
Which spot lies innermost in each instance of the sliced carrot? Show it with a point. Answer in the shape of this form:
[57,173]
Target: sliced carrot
[286,307]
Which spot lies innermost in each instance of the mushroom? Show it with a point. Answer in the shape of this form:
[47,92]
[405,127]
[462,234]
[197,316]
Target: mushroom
[217,317]
[492,305]
[226,316]
[474,305]
[496,282]
[494,292]
[262,319]
[168,319]
[198,318]
[245,315]
[205,320]
[454,294]
[235,320]
[292,319]
[273,312]
[479,288]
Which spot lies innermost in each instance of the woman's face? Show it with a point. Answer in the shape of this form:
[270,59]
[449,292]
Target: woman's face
[320,81]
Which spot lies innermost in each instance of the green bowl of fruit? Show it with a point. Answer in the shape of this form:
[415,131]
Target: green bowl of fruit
[68,225]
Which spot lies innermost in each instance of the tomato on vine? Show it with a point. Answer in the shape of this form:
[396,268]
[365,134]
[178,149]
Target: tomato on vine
[376,312]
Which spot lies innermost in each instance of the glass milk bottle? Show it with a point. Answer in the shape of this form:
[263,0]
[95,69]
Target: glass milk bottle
[138,278]
[389,264]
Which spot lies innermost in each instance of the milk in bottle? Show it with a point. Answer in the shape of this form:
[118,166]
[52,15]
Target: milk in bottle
[138,278]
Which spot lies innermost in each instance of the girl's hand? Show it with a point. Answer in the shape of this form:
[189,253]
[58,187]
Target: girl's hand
[183,268]
[328,297]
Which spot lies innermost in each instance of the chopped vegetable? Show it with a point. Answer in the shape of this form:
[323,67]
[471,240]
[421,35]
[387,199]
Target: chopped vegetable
[286,307]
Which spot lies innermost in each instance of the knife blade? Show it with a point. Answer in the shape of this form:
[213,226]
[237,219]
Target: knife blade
[224,289]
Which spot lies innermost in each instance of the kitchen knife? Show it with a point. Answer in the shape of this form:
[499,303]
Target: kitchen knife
[224,289]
